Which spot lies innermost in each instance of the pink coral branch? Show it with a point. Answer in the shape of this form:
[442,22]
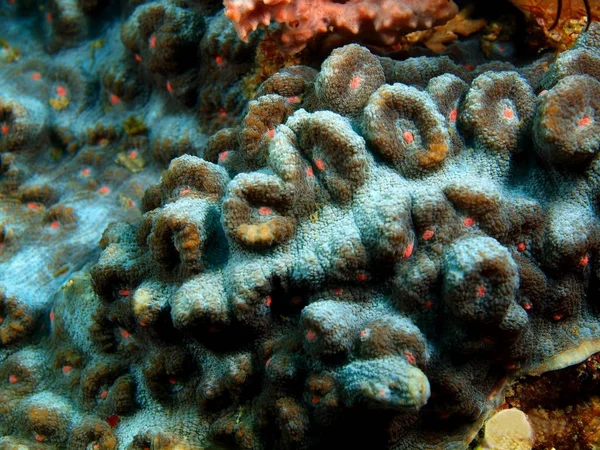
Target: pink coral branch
[376,21]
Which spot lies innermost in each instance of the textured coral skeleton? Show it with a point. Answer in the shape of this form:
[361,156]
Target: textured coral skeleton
[366,253]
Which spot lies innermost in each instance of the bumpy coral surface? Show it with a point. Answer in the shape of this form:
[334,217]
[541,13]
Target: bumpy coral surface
[367,256]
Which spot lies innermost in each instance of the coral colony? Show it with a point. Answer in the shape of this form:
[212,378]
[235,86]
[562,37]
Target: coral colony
[290,224]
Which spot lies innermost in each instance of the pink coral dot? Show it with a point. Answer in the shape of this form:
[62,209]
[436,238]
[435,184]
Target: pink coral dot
[320,164]
[138,58]
[361,277]
[103,394]
[521,246]
[66,369]
[61,91]
[219,60]
[585,120]
[311,335]
[315,400]
[152,41]
[468,222]
[36,76]
[265,211]
[124,333]
[294,99]
[4,129]
[481,291]
[453,115]
[172,380]
[408,251]
[33,206]
[410,357]
[223,156]
[584,260]
[271,133]
[428,234]
[309,172]
[114,99]
[124,292]
[355,82]
[408,137]
[104,190]
[268,301]
[55,225]
[12,379]
[508,113]
[185,191]
[169,87]
[85,172]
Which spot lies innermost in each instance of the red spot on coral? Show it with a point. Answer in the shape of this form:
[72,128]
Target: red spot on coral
[511,366]
[469,66]
[265,211]
[222,112]
[355,82]
[38,438]
[527,306]
[408,137]
[557,317]
[468,222]
[114,99]
[361,276]
[169,87]
[223,156]
[32,205]
[185,191]
[382,392]
[584,260]
[508,113]
[481,291]
[104,190]
[219,60]
[138,58]
[453,115]
[152,41]
[320,164]
[271,133]
[521,246]
[428,304]
[85,172]
[338,291]
[113,420]
[268,301]
[143,324]
[4,129]
[36,76]
[315,400]
[172,380]
[51,315]
[363,334]
[428,234]
[410,357]
[294,99]
[268,362]
[544,91]
[132,154]
[48,17]
[309,172]
[12,379]
[61,91]
[55,225]
[501,48]
[103,394]
[125,292]
[125,333]
[310,335]
[408,250]
[66,369]
[585,120]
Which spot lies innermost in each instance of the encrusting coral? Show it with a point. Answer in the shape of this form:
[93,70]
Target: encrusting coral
[377,245]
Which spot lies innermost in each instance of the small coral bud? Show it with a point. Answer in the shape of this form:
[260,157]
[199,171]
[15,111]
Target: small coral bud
[51,316]
[557,317]
[364,333]
[61,91]
[169,87]
[268,362]
[103,394]
[124,333]
[453,115]
[338,291]
[85,172]
[428,234]
[222,112]
[36,76]
[508,113]
[315,400]
[469,66]
[294,99]
[310,335]
[309,172]
[138,58]
[38,437]
[408,251]
[355,82]
[410,358]
[544,91]
[320,164]
[584,260]
[114,99]
[48,17]
[219,60]
[268,301]
[172,380]
[361,276]
[185,191]
[271,133]
[55,225]
[12,379]
[521,246]
[511,366]
[527,306]
[265,211]
[481,291]
[468,222]
[66,369]
[125,292]
[223,156]
[4,129]
[132,154]
[33,206]
[408,137]
[584,121]
[152,41]
[104,190]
